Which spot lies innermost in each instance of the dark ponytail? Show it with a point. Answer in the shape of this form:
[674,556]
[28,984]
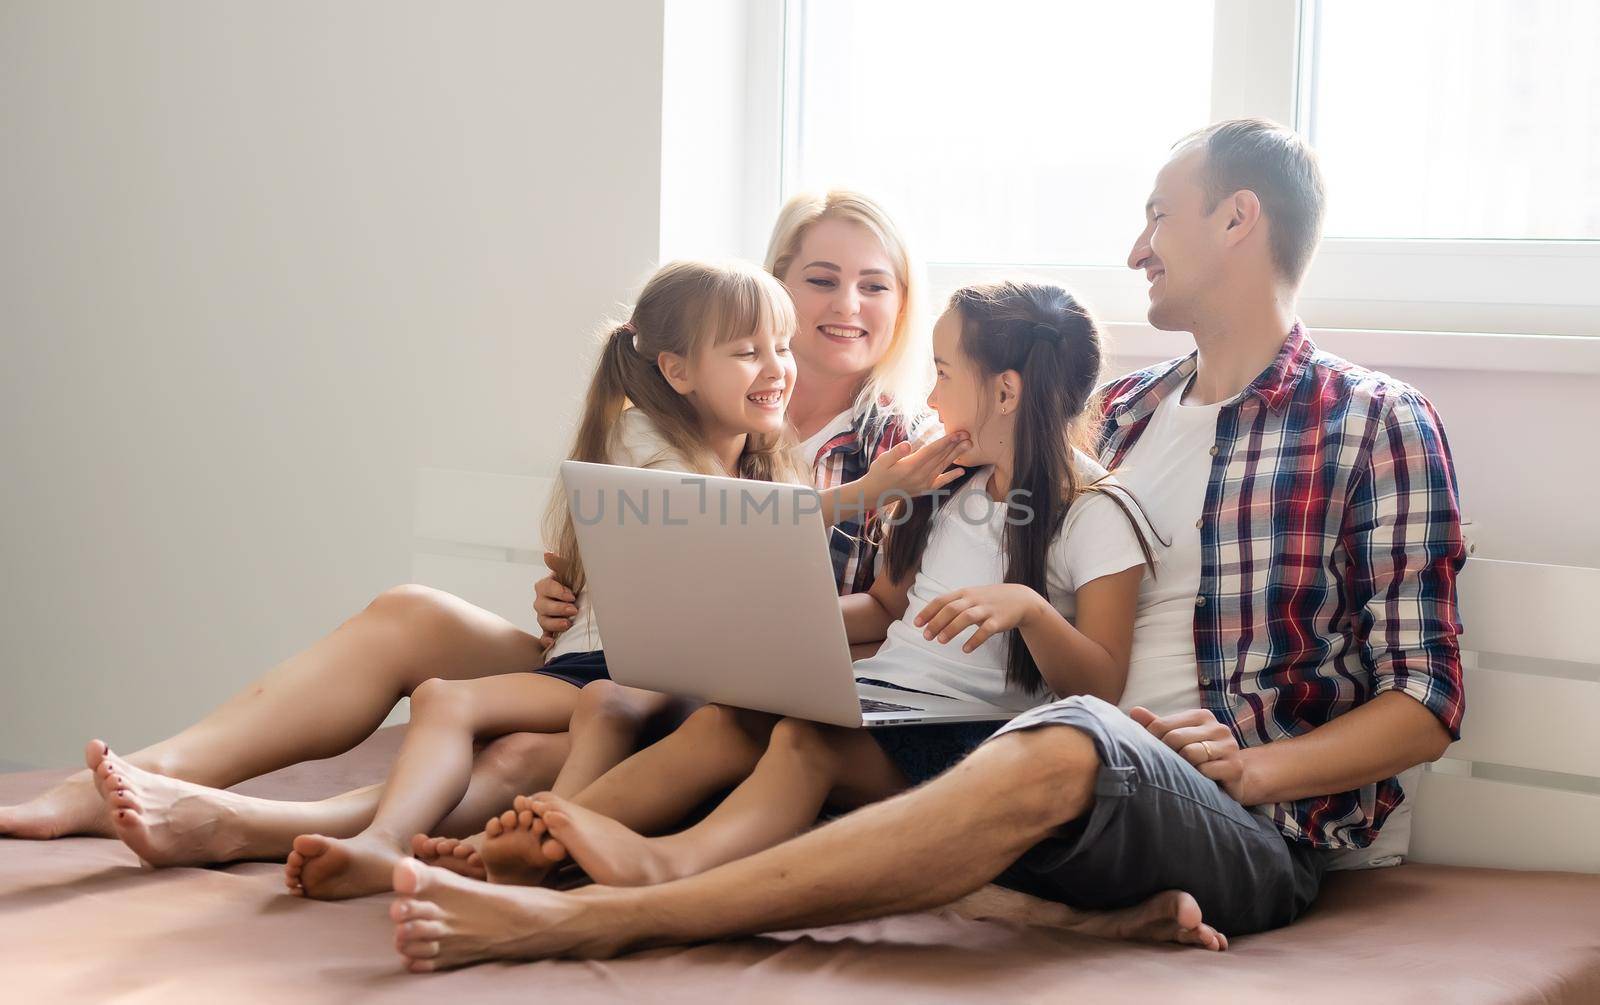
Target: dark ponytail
[1042,333]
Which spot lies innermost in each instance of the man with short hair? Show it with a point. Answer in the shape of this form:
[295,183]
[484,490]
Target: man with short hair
[1309,593]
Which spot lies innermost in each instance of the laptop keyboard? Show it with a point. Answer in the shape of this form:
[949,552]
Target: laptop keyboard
[873,705]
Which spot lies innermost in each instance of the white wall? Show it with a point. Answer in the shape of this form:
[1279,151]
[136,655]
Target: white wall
[259,263]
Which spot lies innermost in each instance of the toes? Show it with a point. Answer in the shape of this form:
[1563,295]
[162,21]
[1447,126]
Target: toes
[493,828]
[421,951]
[522,803]
[424,930]
[407,908]
[423,846]
[553,850]
[93,753]
[463,851]
[410,876]
[309,846]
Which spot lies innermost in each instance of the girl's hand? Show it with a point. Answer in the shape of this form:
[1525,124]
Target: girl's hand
[994,609]
[913,470]
[553,602]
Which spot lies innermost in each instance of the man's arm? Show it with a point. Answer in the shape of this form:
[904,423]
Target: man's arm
[1403,532]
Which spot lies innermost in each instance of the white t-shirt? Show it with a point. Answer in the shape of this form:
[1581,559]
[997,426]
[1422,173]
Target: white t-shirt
[1168,471]
[636,442]
[833,427]
[965,549]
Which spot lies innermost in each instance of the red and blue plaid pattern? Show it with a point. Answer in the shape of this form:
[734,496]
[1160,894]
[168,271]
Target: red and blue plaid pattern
[1330,543]
[845,459]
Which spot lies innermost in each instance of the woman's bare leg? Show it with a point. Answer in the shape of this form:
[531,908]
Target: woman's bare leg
[169,822]
[316,704]
[806,766]
[430,776]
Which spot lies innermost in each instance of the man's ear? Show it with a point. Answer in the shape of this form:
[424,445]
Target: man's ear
[675,369]
[1244,215]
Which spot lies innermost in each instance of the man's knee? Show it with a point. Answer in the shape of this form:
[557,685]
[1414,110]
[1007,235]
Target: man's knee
[1048,770]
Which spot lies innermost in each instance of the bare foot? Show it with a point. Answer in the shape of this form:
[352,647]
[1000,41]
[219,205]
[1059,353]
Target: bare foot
[1170,916]
[72,807]
[443,920]
[166,821]
[340,868]
[517,849]
[461,856]
[609,852]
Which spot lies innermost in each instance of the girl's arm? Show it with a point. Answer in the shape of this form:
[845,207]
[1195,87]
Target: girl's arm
[904,469]
[1091,658]
[867,616]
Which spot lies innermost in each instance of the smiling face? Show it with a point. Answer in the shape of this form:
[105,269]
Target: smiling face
[846,297]
[738,386]
[966,399]
[1181,248]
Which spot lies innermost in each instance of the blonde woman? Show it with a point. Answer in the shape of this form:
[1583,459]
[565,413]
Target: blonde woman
[326,699]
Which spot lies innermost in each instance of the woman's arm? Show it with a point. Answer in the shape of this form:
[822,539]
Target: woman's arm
[904,469]
[1089,658]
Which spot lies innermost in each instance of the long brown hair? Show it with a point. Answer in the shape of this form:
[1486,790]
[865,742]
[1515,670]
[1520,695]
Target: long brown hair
[1046,336]
[685,308]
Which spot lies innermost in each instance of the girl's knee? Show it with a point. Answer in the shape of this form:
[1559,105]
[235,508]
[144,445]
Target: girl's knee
[614,703]
[803,739]
[438,697]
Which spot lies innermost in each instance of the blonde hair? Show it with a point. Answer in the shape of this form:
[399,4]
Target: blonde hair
[903,377]
[686,307]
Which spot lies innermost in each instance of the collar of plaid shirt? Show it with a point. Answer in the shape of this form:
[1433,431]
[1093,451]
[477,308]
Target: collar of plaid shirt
[1300,614]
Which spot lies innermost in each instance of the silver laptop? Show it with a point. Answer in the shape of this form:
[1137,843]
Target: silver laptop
[722,589]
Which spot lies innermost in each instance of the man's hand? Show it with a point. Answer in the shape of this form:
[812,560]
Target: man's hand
[994,609]
[553,602]
[1204,742]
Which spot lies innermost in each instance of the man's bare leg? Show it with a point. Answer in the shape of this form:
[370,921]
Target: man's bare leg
[921,849]
[714,749]
[316,704]
[169,822]
[805,766]
[429,777]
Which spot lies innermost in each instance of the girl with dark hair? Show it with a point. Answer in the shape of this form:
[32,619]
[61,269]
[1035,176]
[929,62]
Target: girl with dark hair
[1020,579]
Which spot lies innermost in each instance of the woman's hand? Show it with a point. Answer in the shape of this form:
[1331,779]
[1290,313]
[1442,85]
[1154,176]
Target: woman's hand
[911,470]
[553,602]
[993,609]
[1204,742]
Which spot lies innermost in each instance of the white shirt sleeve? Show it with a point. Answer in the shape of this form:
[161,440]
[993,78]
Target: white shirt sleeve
[1097,539]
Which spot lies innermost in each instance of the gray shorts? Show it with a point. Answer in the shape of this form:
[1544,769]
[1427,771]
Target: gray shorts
[1158,824]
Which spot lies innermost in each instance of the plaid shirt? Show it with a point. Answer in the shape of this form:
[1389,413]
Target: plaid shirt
[844,459]
[1330,543]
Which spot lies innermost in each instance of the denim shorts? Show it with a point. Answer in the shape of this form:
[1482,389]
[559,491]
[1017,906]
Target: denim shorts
[1158,824]
[577,669]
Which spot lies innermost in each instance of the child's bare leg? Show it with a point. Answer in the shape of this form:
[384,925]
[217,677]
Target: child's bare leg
[318,703]
[605,729]
[806,765]
[713,749]
[168,822]
[430,776]
[520,762]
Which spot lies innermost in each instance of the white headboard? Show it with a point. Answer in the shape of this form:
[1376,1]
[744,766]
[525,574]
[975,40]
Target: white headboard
[1521,790]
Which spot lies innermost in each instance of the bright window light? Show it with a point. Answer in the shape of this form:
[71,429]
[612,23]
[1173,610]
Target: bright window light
[1458,118]
[1002,132]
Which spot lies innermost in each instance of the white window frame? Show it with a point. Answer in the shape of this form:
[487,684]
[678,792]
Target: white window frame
[1262,64]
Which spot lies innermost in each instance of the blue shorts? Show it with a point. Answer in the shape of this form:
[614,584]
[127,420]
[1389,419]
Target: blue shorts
[923,752]
[577,669]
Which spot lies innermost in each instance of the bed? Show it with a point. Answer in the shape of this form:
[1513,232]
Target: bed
[83,921]
[1500,903]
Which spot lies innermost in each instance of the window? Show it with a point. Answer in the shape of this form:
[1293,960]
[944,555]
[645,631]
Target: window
[1460,139]
[1007,132]
[1451,119]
